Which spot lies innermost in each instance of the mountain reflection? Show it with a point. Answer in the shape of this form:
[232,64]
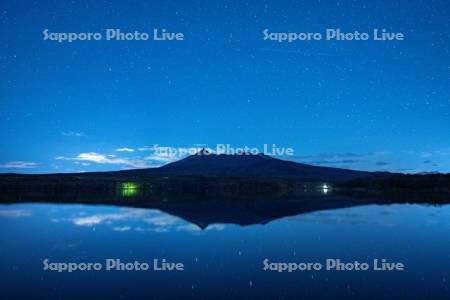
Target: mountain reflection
[135,213]
[134,219]
[128,219]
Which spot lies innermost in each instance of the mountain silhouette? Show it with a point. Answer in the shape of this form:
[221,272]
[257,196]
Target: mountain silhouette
[250,166]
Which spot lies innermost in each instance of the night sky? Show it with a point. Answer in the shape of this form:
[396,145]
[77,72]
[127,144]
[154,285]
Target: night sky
[104,105]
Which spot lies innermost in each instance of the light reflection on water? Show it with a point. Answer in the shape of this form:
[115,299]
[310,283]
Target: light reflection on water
[225,258]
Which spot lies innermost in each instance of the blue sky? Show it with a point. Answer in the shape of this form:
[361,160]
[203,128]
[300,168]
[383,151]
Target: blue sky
[371,105]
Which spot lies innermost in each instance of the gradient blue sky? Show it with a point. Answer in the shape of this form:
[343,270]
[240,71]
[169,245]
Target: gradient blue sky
[67,107]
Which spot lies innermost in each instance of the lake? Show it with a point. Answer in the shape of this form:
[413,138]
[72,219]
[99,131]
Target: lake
[222,247]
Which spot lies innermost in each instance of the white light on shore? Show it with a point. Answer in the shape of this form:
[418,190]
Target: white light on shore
[325,188]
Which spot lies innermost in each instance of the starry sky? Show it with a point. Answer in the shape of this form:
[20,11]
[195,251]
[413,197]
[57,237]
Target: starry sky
[107,105]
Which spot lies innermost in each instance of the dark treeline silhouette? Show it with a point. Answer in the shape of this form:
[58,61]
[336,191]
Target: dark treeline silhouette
[439,182]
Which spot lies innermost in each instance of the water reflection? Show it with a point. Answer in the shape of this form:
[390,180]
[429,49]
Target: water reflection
[228,239]
[129,219]
[163,215]
[215,216]
[119,219]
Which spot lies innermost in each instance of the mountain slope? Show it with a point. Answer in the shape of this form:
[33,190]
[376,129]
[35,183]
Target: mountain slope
[248,165]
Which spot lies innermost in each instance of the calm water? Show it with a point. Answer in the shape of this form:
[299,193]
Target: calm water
[224,260]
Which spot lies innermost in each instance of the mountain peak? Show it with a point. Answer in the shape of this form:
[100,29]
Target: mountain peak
[203,151]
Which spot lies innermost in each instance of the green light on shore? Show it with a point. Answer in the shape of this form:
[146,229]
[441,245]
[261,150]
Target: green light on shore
[129,189]
[129,186]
